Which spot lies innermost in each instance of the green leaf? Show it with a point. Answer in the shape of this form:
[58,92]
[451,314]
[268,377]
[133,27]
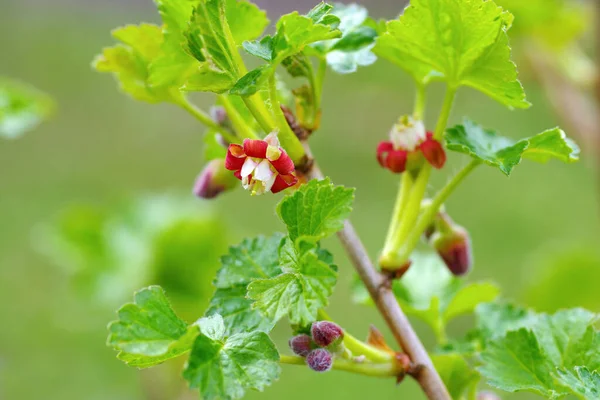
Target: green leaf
[148,332]
[301,290]
[504,153]
[316,210]
[456,373]
[22,108]
[518,363]
[251,260]
[462,43]
[225,367]
[582,382]
[494,320]
[246,20]
[252,82]
[130,62]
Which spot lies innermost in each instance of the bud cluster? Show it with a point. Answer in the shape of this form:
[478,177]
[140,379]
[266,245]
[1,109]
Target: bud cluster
[320,347]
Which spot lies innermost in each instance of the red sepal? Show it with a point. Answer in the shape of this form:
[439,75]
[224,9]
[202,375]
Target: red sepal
[382,149]
[255,148]
[433,151]
[396,161]
[283,182]
[235,157]
[284,164]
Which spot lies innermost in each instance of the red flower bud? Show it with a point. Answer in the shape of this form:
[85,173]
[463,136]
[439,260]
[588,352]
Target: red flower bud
[214,180]
[319,360]
[433,151]
[326,333]
[454,247]
[301,345]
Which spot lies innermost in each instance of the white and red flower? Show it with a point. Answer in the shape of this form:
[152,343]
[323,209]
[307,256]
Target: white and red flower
[408,144]
[261,165]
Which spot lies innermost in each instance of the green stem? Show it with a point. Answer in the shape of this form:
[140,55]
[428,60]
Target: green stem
[429,213]
[389,369]
[318,85]
[390,259]
[420,101]
[401,199]
[288,139]
[265,122]
[241,127]
[205,119]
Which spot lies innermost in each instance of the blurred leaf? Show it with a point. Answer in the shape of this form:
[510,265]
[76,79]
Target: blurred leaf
[223,367]
[253,259]
[245,19]
[252,82]
[301,290]
[462,43]
[498,151]
[130,62]
[148,332]
[316,210]
[582,382]
[555,23]
[495,319]
[456,373]
[22,108]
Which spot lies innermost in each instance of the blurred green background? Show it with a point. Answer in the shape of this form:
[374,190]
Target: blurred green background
[536,234]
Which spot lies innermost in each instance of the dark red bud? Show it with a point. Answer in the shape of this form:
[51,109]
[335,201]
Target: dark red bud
[433,151]
[319,360]
[214,180]
[301,345]
[326,333]
[454,248]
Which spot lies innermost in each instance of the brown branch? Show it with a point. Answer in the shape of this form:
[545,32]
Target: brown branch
[388,306]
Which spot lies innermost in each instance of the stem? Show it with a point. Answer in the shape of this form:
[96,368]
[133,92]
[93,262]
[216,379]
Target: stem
[241,127]
[265,123]
[205,119]
[420,100]
[288,139]
[427,216]
[388,306]
[401,200]
[318,84]
[383,370]
[445,113]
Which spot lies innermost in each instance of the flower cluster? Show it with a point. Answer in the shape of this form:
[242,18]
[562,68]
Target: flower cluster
[409,143]
[319,348]
[261,165]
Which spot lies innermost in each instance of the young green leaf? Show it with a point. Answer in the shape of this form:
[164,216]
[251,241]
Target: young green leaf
[224,367]
[245,19]
[582,382]
[494,320]
[456,373]
[316,210]
[22,108]
[301,290]
[463,43]
[130,62]
[504,153]
[251,260]
[148,332]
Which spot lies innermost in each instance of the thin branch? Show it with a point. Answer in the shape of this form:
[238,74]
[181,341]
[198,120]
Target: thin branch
[388,306]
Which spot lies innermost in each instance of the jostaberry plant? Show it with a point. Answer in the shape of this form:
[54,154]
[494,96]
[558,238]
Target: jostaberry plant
[255,135]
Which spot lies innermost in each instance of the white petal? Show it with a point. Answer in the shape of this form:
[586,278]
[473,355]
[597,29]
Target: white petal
[408,134]
[248,167]
[269,184]
[263,171]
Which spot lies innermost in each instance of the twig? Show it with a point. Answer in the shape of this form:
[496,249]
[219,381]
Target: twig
[388,306]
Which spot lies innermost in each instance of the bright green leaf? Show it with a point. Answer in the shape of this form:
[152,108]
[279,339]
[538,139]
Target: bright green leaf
[581,381]
[22,108]
[245,19]
[251,260]
[252,82]
[456,373]
[461,42]
[504,153]
[316,210]
[494,320]
[148,332]
[301,290]
[469,297]
[225,367]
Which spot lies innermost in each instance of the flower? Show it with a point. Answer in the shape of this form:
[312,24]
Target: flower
[261,165]
[408,144]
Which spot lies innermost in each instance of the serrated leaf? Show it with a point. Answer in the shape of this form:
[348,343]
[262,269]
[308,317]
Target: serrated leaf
[316,210]
[22,108]
[130,62]
[225,367]
[518,363]
[494,320]
[148,332]
[504,153]
[456,373]
[582,382]
[301,290]
[463,43]
[251,260]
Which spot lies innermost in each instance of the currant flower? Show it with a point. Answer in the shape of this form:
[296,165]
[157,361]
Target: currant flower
[213,180]
[261,165]
[408,144]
